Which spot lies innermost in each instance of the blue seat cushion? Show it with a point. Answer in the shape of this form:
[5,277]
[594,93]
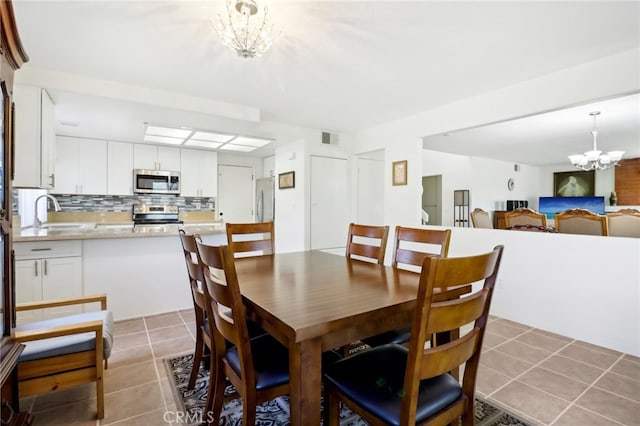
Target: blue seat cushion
[398,336]
[374,379]
[64,345]
[270,361]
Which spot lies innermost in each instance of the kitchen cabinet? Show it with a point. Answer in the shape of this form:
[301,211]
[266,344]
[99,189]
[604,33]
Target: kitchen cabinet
[198,173]
[45,271]
[81,165]
[35,138]
[119,168]
[152,157]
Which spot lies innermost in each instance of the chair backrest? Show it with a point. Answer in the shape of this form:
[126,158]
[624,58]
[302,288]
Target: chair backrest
[194,271]
[624,223]
[435,317]
[412,245]
[361,239]
[581,221]
[481,219]
[524,216]
[225,304]
[251,239]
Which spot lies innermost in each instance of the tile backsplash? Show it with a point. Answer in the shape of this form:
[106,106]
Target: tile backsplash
[119,203]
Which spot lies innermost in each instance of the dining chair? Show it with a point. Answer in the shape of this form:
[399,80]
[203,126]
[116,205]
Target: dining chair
[258,368]
[624,223]
[581,221]
[196,284]
[524,216]
[251,239]
[66,351]
[395,385]
[410,247]
[368,243]
[481,219]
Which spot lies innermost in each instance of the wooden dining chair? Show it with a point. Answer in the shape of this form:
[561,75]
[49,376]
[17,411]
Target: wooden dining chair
[196,284]
[368,243]
[624,223]
[524,216]
[251,239]
[410,247]
[258,368]
[481,219]
[581,221]
[393,385]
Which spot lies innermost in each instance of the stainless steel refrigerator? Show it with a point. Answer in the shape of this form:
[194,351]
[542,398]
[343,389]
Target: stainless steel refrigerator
[265,199]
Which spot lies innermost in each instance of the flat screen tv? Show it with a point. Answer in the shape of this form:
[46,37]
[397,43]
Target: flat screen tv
[552,205]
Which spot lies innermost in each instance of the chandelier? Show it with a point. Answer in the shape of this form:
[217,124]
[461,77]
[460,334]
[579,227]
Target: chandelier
[246,28]
[594,159]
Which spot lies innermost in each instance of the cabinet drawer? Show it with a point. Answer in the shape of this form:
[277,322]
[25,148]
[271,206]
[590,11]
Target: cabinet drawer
[45,249]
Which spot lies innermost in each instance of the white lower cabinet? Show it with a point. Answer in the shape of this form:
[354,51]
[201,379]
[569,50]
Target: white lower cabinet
[45,271]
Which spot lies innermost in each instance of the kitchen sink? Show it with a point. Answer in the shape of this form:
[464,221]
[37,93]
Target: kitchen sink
[67,225]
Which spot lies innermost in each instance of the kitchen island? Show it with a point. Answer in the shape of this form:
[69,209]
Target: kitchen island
[141,269]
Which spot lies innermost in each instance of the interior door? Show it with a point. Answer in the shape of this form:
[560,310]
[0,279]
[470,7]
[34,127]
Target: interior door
[235,194]
[432,198]
[330,204]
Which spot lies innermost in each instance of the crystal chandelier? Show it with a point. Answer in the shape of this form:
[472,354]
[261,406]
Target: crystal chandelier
[246,28]
[594,159]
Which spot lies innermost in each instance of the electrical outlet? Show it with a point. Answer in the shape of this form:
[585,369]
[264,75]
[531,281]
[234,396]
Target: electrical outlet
[198,205]
[210,206]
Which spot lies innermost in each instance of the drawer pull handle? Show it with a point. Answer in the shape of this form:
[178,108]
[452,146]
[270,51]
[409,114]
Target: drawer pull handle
[41,249]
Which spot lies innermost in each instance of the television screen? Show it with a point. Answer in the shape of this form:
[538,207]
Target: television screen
[552,205]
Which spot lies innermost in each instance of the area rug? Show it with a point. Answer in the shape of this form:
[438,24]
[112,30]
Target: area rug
[276,412]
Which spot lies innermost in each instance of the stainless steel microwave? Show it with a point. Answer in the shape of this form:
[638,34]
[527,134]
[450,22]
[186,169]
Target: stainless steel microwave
[156,182]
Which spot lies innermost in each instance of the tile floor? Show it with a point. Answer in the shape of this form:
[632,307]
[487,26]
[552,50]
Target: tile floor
[543,377]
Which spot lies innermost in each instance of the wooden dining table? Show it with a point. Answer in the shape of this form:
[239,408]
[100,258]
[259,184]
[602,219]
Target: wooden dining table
[314,301]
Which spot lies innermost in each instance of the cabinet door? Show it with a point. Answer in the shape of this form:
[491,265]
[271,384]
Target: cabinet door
[189,173]
[168,158]
[92,166]
[145,156]
[119,168]
[28,288]
[61,279]
[27,136]
[67,166]
[208,169]
[48,142]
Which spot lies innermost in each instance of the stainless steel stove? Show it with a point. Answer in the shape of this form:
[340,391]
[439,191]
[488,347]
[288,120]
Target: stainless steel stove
[149,214]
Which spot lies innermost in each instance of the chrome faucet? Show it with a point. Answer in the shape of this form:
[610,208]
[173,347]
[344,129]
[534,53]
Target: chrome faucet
[56,206]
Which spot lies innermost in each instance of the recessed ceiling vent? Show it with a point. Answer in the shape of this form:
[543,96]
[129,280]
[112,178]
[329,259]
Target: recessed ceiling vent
[330,138]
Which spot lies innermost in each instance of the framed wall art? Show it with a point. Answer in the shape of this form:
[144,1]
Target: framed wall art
[399,173]
[287,180]
[574,184]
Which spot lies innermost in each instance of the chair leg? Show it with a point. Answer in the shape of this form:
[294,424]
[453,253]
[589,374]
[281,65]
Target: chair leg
[216,389]
[333,409]
[197,359]
[99,391]
[249,408]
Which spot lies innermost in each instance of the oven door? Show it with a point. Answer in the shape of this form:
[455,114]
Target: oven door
[156,182]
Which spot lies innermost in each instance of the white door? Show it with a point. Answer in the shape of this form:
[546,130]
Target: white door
[330,204]
[235,194]
[370,191]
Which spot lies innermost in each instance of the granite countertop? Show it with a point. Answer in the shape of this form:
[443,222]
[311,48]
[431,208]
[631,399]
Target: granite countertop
[91,231]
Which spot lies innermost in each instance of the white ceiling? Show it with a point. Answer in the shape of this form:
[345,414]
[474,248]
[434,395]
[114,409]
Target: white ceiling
[339,66]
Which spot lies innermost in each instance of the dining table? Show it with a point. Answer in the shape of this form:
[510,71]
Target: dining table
[314,301]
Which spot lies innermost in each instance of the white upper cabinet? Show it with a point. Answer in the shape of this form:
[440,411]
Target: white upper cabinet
[81,165]
[119,168]
[35,138]
[199,173]
[152,157]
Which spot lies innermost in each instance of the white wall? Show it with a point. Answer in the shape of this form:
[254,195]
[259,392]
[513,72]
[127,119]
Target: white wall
[291,212]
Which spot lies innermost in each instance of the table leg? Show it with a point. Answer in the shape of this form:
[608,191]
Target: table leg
[305,377]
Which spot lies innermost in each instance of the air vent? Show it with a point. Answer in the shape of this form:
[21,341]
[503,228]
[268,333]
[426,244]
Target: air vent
[330,138]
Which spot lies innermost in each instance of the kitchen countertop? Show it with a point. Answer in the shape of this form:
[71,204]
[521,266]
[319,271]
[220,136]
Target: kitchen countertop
[113,231]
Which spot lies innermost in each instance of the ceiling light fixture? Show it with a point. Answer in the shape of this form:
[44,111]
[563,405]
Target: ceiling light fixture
[246,28]
[594,159]
[202,138]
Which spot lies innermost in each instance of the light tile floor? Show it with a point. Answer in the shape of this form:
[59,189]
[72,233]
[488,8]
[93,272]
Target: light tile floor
[543,377]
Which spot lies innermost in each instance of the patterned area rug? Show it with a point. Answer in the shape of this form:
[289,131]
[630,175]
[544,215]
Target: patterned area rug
[276,412]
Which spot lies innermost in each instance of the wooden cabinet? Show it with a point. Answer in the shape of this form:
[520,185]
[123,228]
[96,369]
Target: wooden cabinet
[152,157]
[119,168]
[35,138]
[81,165]
[198,173]
[498,219]
[48,270]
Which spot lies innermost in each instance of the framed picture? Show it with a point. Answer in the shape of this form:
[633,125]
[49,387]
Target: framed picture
[287,180]
[399,173]
[574,184]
